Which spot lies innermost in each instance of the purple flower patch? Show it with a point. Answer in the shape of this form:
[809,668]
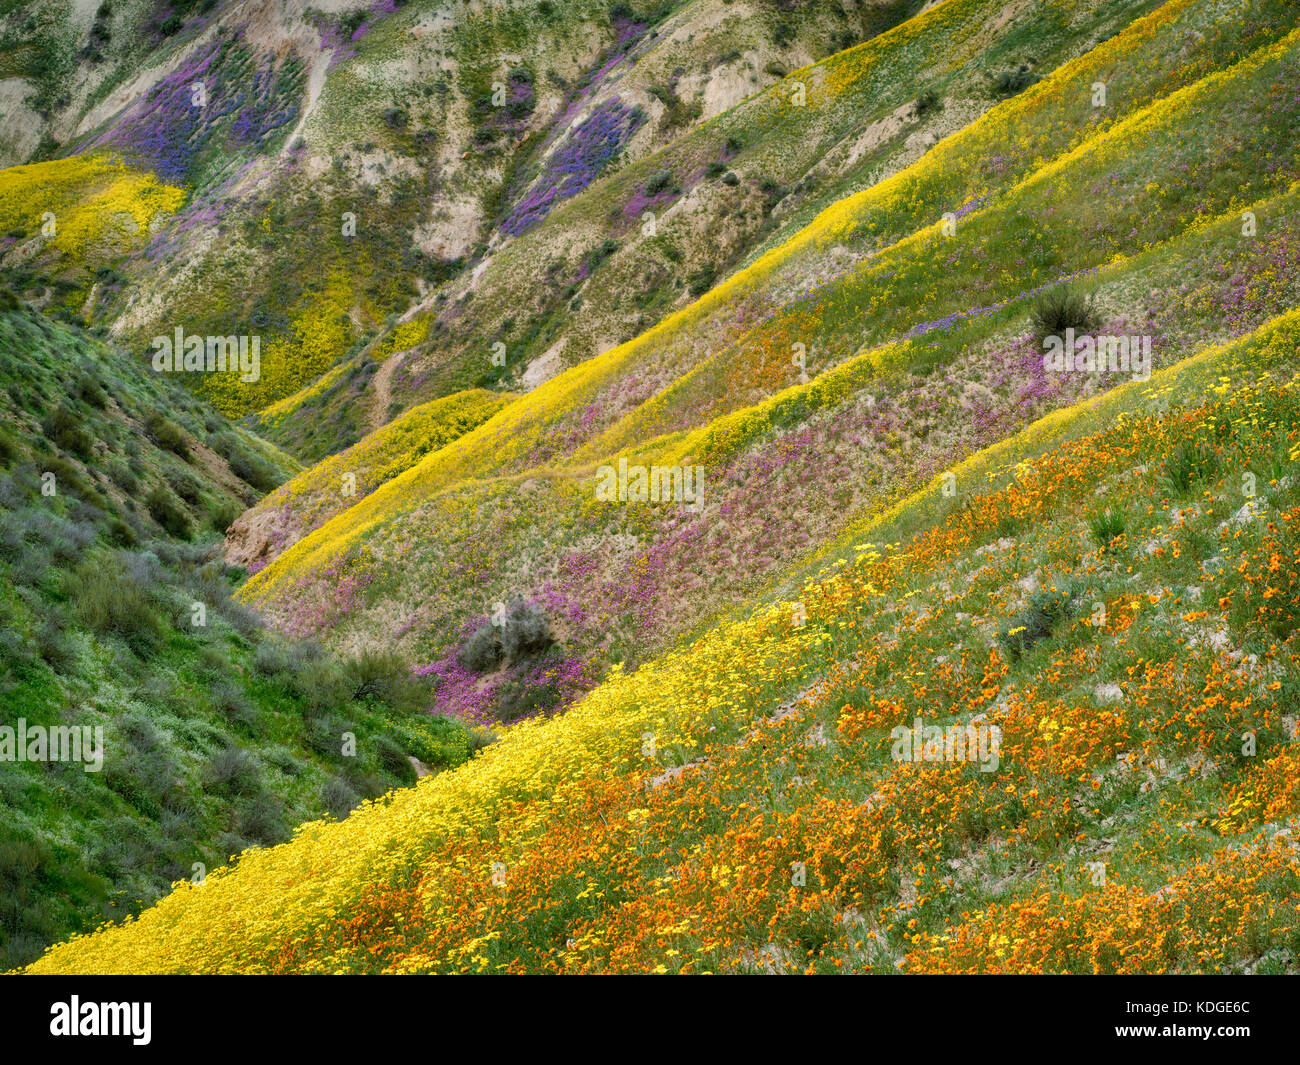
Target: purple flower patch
[576,163]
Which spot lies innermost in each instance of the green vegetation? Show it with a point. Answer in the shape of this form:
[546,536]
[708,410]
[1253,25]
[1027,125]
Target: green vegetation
[217,735]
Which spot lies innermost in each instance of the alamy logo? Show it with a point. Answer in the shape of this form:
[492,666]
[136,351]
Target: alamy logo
[196,354]
[102,1018]
[54,743]
[1098,354]
[975,741]
[637,484]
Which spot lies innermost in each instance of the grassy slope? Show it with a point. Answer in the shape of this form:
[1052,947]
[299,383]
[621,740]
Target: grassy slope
[1112,584]
[259,247]
[217,735]
[812,436]
[734,181]
[330,487]
[1121,732]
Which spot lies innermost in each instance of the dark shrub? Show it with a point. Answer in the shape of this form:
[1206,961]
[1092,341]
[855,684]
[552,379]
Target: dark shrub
[185,485]
[1062,308]
[1010,82]
[701,281]
[233,769]
[926,102]
[10,449]
[338,798]
[90,390]
[166,510]
[385,676]
[658,182]
[167,434]
[64,428]
[394,760]
[482,651]
[525,699]
[525,632]
[261,819]
[320,686]
[1188,466]
[53,646]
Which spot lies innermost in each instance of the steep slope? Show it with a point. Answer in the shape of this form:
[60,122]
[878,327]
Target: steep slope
[344,159]
[665,227]
[1120,603]
[926,653]
[332,486]
[199,733]
[917,355]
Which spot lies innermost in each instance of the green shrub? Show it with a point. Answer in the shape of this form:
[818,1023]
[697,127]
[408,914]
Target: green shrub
[482,651]
[10,448]
[658,182]
[166,510]
[107,601]
[234,770]
[701,280]
[1189,466]
[184,485]
[64,428]
[261,819]
[1046,609]
[925,103]
[1062,308]
[1011,82]
[338,797]
[526,631]
[1106,526]
[167,434]
[393,759]
[385,676]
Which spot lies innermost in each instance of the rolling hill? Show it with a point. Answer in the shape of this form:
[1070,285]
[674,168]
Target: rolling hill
[657,465]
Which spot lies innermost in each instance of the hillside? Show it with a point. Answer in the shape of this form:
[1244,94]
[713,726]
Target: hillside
[1114,606]
[116,611]
[658,466]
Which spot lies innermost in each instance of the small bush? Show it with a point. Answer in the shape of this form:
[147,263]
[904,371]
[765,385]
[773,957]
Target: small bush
[1011,82]
[106,601]
[925,103]
[261,819]
[1060,309]
[482,651]
[320,686]
[526,631]
[1189,466]
[272,661]
[10,449]
[385,676]
[338,798]
[185,485]
[91,391]
[53,646]
[1046,609]
[658,182]
[233,769]
[394,760]
[166,510]
[64,428]
[701,280]
[167,434]
[1106,526]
